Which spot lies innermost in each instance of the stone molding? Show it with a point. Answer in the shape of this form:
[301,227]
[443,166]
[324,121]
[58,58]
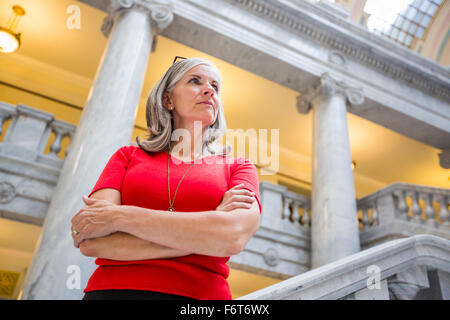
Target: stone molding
[326,87]
[7,192]
[397,229]
[271,257]
[161,13]
[326,29]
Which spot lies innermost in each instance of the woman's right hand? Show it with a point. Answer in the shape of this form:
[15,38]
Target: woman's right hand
[236,198]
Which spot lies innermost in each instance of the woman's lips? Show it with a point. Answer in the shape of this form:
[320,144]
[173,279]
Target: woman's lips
[208,104]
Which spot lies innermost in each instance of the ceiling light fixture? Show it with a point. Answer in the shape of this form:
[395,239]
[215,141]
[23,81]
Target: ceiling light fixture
[9,40]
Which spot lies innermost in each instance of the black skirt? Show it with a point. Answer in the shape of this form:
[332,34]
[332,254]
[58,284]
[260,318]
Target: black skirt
[131,295]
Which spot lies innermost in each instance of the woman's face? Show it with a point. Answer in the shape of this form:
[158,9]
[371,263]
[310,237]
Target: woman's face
[195,97]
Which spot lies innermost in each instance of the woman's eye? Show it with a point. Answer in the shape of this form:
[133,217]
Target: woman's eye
[197,81]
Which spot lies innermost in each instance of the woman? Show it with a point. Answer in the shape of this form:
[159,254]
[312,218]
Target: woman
[161,223]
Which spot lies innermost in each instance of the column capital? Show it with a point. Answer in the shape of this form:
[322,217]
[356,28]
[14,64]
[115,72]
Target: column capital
[160,11]
[325,87]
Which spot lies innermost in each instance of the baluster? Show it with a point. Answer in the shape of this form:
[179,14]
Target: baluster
[3,119]
[294,217]
[70,135]
[375,218]
[365,217]
[415,208]
[55,148]
[61,129]
[402,206]
[286,211]
[444,215]
[305,221]
[430,213]
[7,112]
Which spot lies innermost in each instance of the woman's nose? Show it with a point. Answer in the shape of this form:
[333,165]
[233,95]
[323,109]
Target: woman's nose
[208,90]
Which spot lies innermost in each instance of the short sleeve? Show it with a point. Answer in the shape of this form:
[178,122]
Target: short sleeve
[114,172]
[245,172]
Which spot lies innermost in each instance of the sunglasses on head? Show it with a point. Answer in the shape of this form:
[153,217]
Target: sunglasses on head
[178,58]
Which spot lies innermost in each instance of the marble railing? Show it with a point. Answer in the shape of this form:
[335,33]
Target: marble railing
[296,209]
[281,247]
[30,161]
[29,132]
[407,199]
[401,210]
[417,267]
[404,247]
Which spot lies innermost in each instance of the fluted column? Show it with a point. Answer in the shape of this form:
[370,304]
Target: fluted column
[58,270]
[334,228]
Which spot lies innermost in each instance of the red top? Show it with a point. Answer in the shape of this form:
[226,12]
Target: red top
[141,178]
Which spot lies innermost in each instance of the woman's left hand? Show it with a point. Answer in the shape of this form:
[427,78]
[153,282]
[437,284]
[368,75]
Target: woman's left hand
[96,219]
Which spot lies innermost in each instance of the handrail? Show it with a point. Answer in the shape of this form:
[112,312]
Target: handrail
[349,275]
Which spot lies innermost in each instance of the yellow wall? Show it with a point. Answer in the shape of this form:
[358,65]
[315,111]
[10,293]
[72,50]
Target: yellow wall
[17,244]
[242,282]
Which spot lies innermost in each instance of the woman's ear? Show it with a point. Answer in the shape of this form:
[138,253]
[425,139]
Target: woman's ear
[167,102]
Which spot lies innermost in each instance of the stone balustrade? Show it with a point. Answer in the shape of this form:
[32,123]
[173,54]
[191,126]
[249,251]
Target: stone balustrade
[429,215]
[296,209]
[401,210]
[29,132]
[28,174]
[433,212]
[397,211]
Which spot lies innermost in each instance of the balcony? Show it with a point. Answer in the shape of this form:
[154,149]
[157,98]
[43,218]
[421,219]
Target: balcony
[403,210]
[281,246]
[31,158]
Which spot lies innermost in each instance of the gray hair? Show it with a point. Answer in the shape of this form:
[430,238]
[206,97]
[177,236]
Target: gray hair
[160,120]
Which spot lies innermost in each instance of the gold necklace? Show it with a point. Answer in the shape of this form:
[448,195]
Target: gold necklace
[171,203]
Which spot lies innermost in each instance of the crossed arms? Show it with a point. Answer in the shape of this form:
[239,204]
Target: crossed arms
[107,229]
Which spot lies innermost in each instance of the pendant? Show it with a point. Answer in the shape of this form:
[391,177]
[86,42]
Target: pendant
[171,209]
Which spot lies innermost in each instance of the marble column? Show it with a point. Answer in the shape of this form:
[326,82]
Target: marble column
[334,227]
[58,270]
